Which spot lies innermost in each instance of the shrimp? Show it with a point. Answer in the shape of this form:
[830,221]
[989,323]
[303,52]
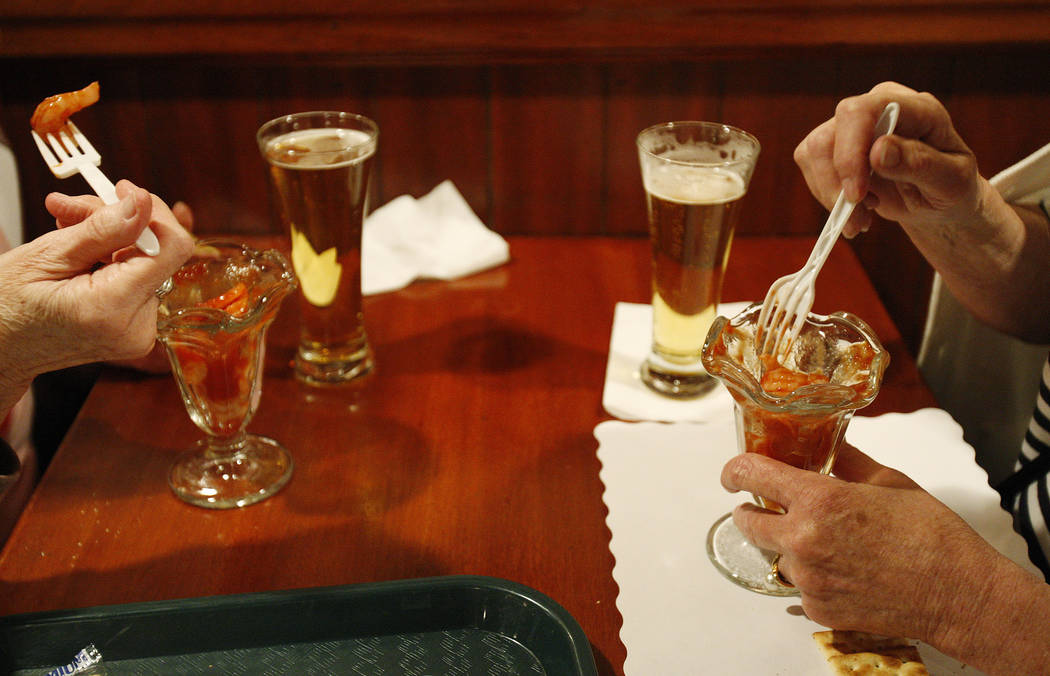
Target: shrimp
[781,381]
[51,115]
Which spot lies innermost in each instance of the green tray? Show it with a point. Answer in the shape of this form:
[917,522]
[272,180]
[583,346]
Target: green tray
[431,626]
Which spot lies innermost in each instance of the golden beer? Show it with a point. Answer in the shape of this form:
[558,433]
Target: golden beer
[321,176]
[694,176]
[692,216]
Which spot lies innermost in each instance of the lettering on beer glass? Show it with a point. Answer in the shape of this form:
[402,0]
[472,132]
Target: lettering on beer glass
[318,273]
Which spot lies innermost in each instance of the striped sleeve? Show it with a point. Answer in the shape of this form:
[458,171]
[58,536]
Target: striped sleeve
[1026,492]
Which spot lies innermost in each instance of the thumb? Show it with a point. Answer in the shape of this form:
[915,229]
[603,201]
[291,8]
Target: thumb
[106,230]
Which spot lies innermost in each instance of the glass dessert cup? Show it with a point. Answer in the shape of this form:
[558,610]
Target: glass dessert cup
[795,411]
[212,320]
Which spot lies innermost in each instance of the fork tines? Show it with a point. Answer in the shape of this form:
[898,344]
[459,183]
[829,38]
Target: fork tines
[70,147]
[85,145]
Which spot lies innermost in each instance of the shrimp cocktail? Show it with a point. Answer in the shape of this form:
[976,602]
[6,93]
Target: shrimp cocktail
[212,320]
[794,408]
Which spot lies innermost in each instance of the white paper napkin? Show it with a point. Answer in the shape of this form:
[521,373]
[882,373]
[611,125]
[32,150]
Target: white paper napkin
[627,397]
[437,236]
[662,492]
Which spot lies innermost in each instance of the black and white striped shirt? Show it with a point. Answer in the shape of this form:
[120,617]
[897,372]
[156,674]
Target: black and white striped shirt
[1026,493]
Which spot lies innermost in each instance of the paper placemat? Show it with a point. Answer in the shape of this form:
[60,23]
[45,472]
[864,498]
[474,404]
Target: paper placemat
[627,397]
[663,493]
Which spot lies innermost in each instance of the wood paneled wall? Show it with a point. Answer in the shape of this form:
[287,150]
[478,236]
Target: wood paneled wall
[530,108]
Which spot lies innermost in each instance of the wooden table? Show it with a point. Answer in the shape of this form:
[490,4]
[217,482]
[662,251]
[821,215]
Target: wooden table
[470,450]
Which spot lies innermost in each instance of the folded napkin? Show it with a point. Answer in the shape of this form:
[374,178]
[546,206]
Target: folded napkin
[680,616]
[628,398]
[437,236]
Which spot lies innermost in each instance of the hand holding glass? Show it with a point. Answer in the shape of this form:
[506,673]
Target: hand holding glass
[795,410]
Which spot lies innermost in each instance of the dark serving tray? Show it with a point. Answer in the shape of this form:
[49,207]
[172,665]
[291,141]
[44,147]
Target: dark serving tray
[446,625]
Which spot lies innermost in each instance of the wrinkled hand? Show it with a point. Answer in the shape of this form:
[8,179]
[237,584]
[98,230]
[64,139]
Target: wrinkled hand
[59,307]
[868,548]
[72,210]
[924,174]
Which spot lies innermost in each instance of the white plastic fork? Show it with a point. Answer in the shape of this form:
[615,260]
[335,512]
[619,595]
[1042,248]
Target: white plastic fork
[790,298]
[73,153]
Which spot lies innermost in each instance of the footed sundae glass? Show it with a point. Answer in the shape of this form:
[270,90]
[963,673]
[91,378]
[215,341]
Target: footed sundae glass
[795,409]
[212,320]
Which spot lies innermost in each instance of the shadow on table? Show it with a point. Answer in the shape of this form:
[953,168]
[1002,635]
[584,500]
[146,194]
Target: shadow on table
[350,462]
[342,465]
[483,345]
[293,562]
[601,662]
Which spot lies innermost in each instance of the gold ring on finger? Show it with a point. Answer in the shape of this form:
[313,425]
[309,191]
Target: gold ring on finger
[777,576]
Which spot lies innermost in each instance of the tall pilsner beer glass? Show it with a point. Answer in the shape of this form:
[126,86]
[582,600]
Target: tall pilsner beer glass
[320,167]
[695,174]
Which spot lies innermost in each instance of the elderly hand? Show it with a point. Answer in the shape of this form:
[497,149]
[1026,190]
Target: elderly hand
[992,256]
[924,175]
[870,550]
[72,210]
[60,308]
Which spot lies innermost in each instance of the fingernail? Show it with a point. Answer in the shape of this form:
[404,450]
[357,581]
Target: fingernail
[891,155]
[849,186]
[128,208]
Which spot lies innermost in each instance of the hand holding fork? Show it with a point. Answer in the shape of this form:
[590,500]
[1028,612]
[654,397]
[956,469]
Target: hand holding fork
[790,298]
[73,153]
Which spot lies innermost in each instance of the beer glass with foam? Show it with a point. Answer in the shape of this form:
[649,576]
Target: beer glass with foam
[695,174]
[320,169]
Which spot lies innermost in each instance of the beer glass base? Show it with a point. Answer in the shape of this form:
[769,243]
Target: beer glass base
[223,480]
[331,371]
[741,562]
[678,385]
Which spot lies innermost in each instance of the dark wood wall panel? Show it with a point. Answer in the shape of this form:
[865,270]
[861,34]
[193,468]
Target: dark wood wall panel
[548,149]
[432,31]
[544,146]
[779,103]
[639,96]
[534,148]
[434,125]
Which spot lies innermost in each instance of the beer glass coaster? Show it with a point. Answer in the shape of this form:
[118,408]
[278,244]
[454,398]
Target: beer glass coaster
[628,398]
[437,236]
[663,493]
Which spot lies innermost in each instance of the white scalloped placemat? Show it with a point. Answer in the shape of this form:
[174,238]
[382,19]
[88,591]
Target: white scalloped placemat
[662,490]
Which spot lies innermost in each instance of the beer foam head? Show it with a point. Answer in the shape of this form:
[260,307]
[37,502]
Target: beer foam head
[698,144]
[694,185]
[316,148]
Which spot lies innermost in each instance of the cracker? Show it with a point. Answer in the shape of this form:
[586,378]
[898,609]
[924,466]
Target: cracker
[855,653]
[872,664]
